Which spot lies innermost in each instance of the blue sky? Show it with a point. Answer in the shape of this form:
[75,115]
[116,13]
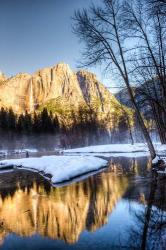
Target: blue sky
[37,33]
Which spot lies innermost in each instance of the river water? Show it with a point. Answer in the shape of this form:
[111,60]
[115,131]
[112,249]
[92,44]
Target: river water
[121,207]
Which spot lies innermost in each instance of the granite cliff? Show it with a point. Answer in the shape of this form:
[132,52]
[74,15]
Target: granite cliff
[61,91]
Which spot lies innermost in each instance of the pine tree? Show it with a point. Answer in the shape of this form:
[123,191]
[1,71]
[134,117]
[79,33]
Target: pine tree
[27,122]
[20,124]
[46,121]
[3,119]
[37,123]
[11,120]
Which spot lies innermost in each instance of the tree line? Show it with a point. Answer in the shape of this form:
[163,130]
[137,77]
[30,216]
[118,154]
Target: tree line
[128,37]
[36,122]
[47,122]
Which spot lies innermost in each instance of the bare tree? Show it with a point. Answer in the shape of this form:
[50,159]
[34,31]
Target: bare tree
[102,30]
[127,118]
[147,27]
[158,4]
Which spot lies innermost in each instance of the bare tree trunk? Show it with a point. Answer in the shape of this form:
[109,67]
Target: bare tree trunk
[128,122]
[148,214]
[130,131]
[141,122]
[103,32]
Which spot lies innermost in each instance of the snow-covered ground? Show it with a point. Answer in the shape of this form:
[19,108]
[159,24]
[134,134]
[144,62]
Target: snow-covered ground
[8,152]
[126,150]
[79,161]
[60,168]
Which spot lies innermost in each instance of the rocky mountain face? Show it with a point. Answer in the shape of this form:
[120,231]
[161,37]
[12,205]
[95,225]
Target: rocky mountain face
[140,94]
[61,91]
[2,77]
[60,213]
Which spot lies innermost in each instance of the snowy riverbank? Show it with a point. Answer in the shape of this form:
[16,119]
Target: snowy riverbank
[57,168]
[126,150]
[76,162]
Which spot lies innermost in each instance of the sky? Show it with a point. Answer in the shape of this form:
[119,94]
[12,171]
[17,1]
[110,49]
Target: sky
[38,33]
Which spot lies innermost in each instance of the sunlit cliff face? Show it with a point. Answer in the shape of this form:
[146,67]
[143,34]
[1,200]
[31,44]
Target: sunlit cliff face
[67,94]
[64,212]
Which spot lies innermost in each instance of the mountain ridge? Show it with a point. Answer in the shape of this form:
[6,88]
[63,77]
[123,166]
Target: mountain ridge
[63,92]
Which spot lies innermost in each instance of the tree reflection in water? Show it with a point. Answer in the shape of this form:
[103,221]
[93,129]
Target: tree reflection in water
[149,228]
[123,202]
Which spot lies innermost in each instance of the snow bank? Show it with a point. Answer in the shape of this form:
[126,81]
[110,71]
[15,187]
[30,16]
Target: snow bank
[6,152]
[3,152]
[61,168]
[155,160]
[128,150]
[120,154]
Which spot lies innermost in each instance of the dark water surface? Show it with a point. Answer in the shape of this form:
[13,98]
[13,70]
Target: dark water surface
[119,208]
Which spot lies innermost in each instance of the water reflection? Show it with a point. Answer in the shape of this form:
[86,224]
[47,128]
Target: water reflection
[120,208]
[61,213]
[149,230]
[130,166]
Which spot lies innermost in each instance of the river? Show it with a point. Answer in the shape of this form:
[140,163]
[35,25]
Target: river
[121,207]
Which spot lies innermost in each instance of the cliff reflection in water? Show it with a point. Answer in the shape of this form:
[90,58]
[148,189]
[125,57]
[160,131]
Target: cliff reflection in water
[63,212]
